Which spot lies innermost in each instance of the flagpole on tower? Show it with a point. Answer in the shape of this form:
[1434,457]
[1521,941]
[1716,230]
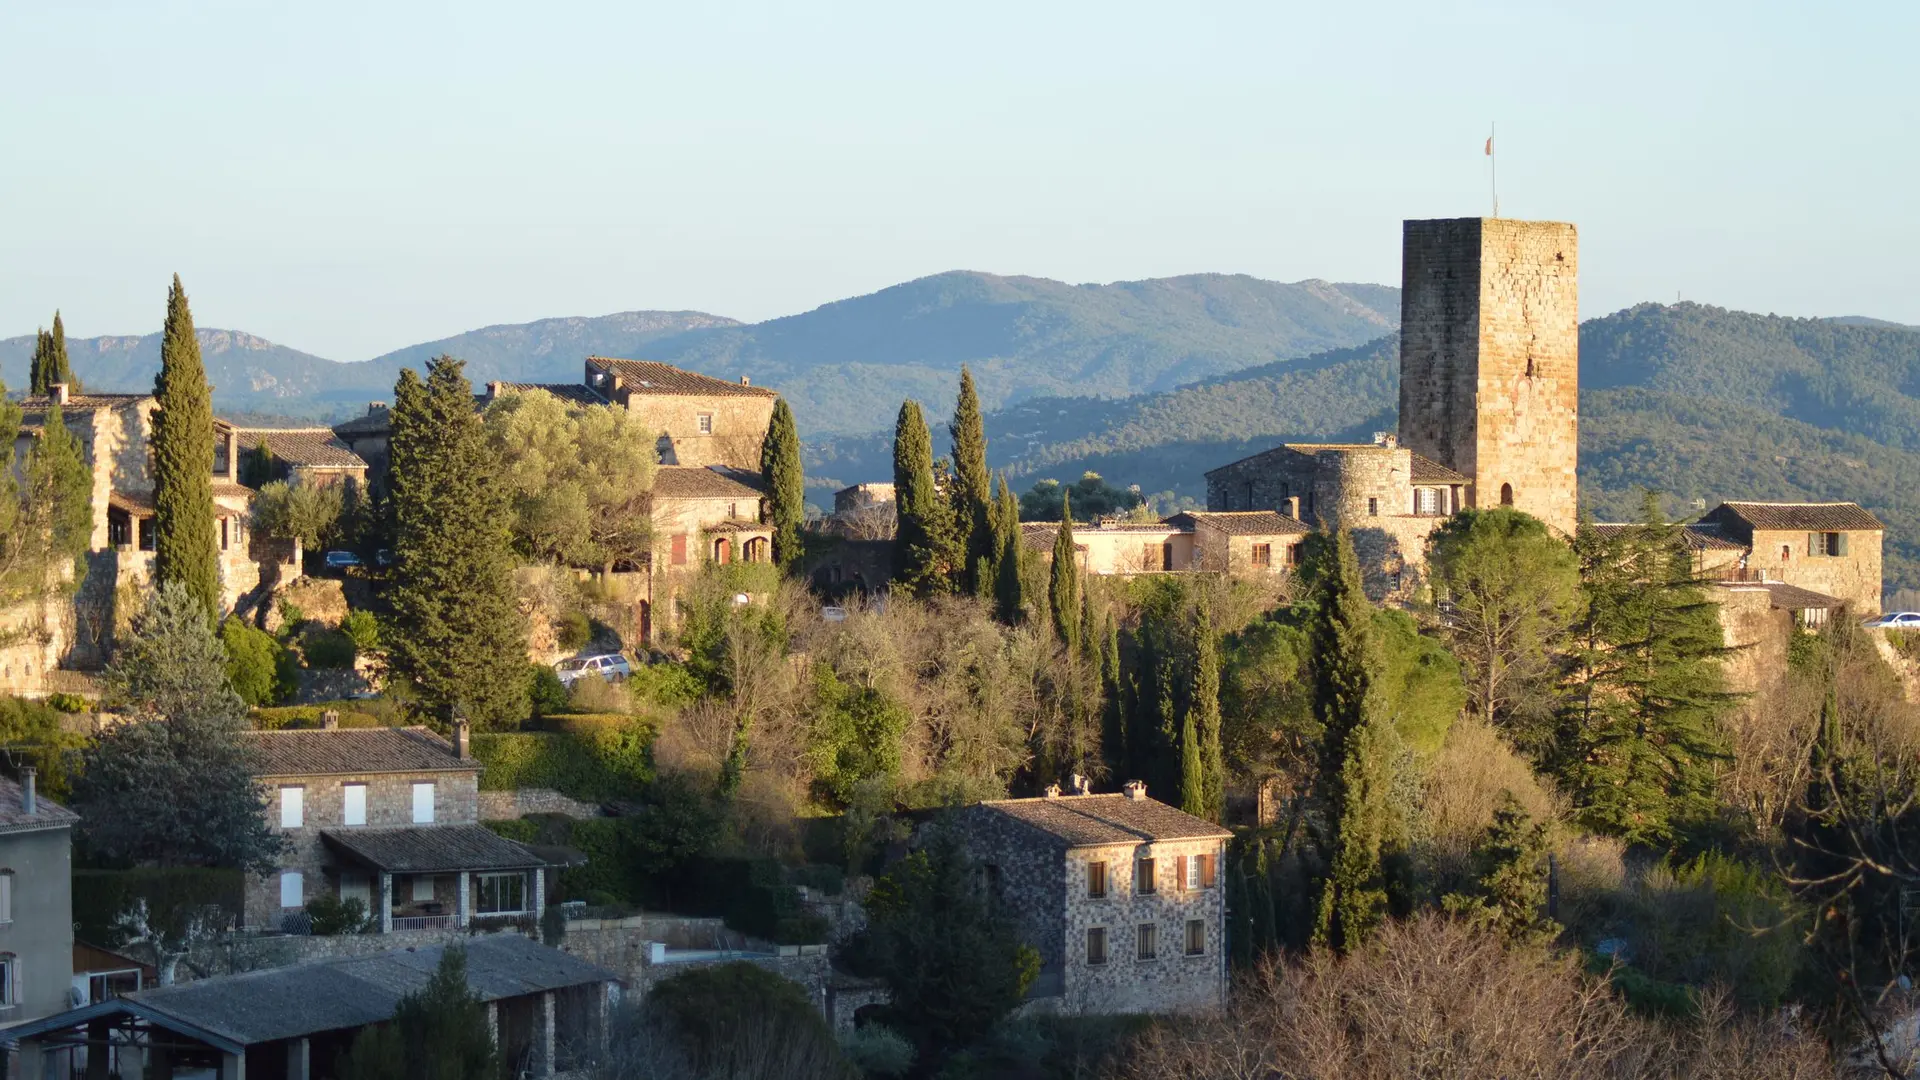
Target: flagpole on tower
[1493,173]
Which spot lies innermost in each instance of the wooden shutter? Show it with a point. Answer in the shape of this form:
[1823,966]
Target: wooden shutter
[1839,543]
[679,549]
[1207,871]
[1813,543]
[1180,874]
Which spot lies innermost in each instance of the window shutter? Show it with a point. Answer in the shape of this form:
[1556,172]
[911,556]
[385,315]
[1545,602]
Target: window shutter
[1839,543]
[1813,543]
[1207,869]
[1180,873]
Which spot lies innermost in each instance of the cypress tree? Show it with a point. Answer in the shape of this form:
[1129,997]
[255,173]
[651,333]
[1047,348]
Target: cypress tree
[182,447]
[1204,709]
[920,543]
[1356,770]
[1063,584]
[786,486]
[1010,598]
[458,633]
[1193,782]
[62,368]
[40,368]
[971,481]
[1113,687]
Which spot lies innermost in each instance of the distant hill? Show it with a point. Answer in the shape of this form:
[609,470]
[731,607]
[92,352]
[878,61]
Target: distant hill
[245,370]
[551,350]
[1697,401]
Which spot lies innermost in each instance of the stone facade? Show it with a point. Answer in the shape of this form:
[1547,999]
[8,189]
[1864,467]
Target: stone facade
[1489,358]
[701,420]
[516,804]
[1830,548]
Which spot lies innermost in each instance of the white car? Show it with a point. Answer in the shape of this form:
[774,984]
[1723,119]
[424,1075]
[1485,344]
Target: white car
[612,667]
[1895,620]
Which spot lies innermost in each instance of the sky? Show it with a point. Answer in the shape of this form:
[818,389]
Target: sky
[350,178]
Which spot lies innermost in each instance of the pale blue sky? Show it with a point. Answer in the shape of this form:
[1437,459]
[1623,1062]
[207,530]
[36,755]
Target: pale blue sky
[349,178]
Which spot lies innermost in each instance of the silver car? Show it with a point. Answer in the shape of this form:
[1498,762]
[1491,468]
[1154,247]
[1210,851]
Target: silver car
[613,667]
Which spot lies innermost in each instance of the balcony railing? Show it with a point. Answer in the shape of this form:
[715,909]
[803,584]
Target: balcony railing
[423,922]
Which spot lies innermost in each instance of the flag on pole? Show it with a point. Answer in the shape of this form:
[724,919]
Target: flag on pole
[1489,146]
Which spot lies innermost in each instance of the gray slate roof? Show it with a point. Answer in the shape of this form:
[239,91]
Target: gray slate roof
[313,447]
[1810,517]
[1102,820]
[341,751]
[47,813]
[654,377]
[237,1011]
[420,849]
[698,482]
[1245,522]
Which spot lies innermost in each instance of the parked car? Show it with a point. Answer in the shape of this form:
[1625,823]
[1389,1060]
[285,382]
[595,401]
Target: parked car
[1894,620]
[340,560]
[612,667]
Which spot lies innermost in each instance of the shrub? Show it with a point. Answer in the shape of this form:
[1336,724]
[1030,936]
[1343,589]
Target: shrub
[331,915]
[546,694]
[327,649]
[878,1051]
[666,685]
[597,758]
[572,631]
[363,629]
[68,703]
[32,733]
[279,717]
[593,694]
[254,663]
[291,616]
[741,1020]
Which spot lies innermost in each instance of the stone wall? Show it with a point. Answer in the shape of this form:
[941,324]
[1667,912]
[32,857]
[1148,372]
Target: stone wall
[1023,868]
[1758,632]
[1854,577]
[513,805]
[739,427]
[1264,482]
[1172,981]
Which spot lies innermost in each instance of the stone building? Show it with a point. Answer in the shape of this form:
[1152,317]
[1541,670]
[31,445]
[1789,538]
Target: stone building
[1832,548]
[701,420]
[301,456]
[389,816]
[1121,894]
[36,902]
[701,516]
[1257,542]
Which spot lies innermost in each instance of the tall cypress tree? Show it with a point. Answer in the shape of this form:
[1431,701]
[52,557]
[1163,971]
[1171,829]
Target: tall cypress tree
[1113,689]
[458,632]
[786,486]
[1204,709]
[1063,583]
[182,444]
[62,367]
[40,369]
[971,482]
[924,530]
[1010,586]
[1356,771]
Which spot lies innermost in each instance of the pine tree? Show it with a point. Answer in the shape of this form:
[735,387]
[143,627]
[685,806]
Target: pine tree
[1063,583]
[1009,590]
[972,495]
[182,449]
[1204,709]
[1356,771]
[1511,892]
[458,632]
[62,368]
[59,482]
[786,486]
[922,538]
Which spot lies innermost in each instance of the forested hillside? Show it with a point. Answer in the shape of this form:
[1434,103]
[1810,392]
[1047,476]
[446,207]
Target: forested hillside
[1697,401]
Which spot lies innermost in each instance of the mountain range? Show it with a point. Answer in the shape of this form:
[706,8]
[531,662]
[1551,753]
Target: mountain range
[846,366]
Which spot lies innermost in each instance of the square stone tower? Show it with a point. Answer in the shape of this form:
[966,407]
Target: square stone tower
[1490,358]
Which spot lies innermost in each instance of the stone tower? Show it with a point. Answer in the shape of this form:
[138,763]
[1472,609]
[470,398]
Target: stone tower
[1490,358]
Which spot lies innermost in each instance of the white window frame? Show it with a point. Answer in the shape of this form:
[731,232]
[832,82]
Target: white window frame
[293,883]
[704,423]
[293,807]
[348,807]
[1194,866]
[423,809]
[422,890]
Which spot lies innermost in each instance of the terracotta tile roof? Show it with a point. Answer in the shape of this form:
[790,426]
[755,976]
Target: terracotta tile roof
[47,813]
[579,393]
[1428,471]
[317,447]
[1699,536]
[699,482]
[653,377]
[1099,820]
[411,849]
[337,751]
[1784,596]
[140,503]
[1808,517]
[1246,522]
[39,402]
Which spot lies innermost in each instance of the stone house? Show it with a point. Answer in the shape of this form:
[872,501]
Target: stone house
[301,456]
[389,816]
[701,420]
[701,516]
[1833,548]
[1258,542]
[1121,894]
[547,1012]
[36,902]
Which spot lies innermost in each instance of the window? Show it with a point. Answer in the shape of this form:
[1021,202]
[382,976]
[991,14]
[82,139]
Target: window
[1506,494]
[423,803]
[224,534]
[1146,938]
[293,807]
[1426,500]
[9,980]
[1096,946]
[353,804]
[1830,544]
[1096,881]
[293,889]
[1373,507]
[500,894]
[1194,865]
[6,896]
[1196,937]
[1143,876]
[1293,554]
[1149,554]
[706,423]
[357,887]
[422,892]
[1263,555]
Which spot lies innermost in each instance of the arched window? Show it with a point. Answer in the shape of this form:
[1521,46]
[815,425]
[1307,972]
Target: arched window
[1506,494]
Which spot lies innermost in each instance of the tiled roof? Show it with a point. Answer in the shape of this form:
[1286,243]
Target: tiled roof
[1246,522]
[1098,820]
[334,751]
[1428,471]
[698,482]
[653,377]
[1810,517]
[376,421]
[140,503]
[1788,597]
[1424,470]
[317,447]
[578,393]
[424,849]
[47,813]
[737,526]
[40,402]
[1699,536]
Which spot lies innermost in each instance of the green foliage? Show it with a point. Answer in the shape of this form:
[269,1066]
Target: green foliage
[597,759]
[546,694]
[924,551]
[1009,589]
[854,736]
[254,663]
[173,894]
[49,364]
[353,714]
[786,485]
[1719,921]
[457,633]
[326,648]
[182,451]
[1512,889]
[877,1050]
[971,489]
[309,513]
[58,489]
[363,629]
[1209,801]
[666,685]
[576,478]
[64,702]
[31,732]
[1419,682]
[730,1018]
[1063,583]
[1048,499]
[439,1032]
[573,630]
[952,966]
[331,916]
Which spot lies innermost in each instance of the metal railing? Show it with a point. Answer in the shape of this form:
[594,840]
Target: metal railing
[423,922]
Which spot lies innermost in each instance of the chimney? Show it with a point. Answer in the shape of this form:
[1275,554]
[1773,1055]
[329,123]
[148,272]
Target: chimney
[58,391]
[493,390]
[1135,789]
[1053,791]
[374,407]
[744,381]
[460,739]
[329,720]
[29,800]
[1386,438]
[1293,507]
[1081,786]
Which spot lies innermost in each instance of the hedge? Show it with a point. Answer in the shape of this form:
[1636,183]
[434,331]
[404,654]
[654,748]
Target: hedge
[172,894]
[596,758]
[277,717]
